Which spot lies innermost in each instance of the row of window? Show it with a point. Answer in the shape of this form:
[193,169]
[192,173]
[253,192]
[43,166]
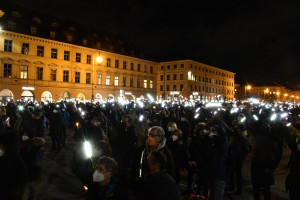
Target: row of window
[206,70]
[195,88]
[7,73]
[8,44]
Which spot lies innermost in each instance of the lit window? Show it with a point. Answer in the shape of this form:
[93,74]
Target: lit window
[116,81]
[145,83]
[24,72]
[151,84]
[99,79]
[107,79]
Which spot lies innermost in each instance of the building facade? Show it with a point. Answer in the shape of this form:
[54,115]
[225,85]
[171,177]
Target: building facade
[41,69]
[194,80]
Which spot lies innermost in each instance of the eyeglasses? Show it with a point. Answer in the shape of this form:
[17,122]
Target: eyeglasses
[152,135]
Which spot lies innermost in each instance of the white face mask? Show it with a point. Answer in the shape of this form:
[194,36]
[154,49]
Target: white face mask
[25,137]
[174,137]
[2,153]
[205,132]
[169,128]
[98,176]
[212,134]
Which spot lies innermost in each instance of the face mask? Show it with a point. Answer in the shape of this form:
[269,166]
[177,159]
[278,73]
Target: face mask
[182,119]
[98,176]
[151,142]
[2,153]
[174,137]
[96,153]
[205,132]
[169,128]
[25,137]
[211,134]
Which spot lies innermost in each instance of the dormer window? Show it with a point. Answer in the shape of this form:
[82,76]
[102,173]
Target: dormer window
[52,34]
[69,38]
[84,42]
[33,30]
[11,25]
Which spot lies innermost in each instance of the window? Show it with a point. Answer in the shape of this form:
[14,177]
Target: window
[161,88]
[8,45]
[7,70]
[181,87]
[54,53]
[33,30]
[108,62]
[66,76]
[168,77]
[99,79]
[161,77]
[40,51]
[107,79]
[88,78]
[195,77]
[175,66]
[195,87]
[191,88]
[190,76]
[199,78]
[124,80]
[131,66]
[151,69]
[168,67]
[66,55]
[53,74]
[78,57]
[181,76]
[131,82]
[145,83]
[39,73]
[174,76]
[24,72]
[162,68]
[138,83]
[191,66]
[151,84]
[117,64]
[77,77]
[145,68]
[88,59]
[174,88]
[168,88]
[116,81]
[124,64]
[25,48]
[139,67]
[182,65]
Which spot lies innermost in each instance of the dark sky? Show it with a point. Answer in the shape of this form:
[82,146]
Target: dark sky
[259,40]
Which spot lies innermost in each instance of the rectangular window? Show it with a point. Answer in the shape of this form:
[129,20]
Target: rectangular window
[174,76]
[132,66]
[77,77]
[25,48]
[53,74]
[161,77]
[191,88]
[145,83]
[99,78]
[161,88]
[24,72]
[151,69]
[39,73]
[108,61]
[124,81]
[138,83]
[40,51]
[168,88]
[175,66]
[151,84]
[7,70]
[88,78]
[145,69]
[124,64]
[139,67]
[131,82]
[168,77]
[182,65]
[195,87]
[78,57]
[116,81]
[8,45]
[174,88]
[162,67]
[107,80]
[181,76]
[117,64]
[181,87]
[88,59]
[168,67]
[66,55]
[66,76]
[54,53]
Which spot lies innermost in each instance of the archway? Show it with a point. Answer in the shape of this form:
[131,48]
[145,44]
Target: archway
[80,97]
[46,96]
[27,96]
[65,95]
[6,94]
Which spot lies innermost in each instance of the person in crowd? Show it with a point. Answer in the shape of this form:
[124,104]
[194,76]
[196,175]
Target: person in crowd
[171,127]
[55,123]
[142,127]
[65,124]
[35,125]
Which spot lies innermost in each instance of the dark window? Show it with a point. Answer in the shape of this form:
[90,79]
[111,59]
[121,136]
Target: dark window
[131,66]
[88,59]
[53,74]
[151,69]
[25,48]
[124,80]
[162,68]
[131,82]
[174,76]
[8,45]
[77,77]
[175,66]
[181,76]
[168,88]
[88,78]
[78,57]
[138,83]
[168,77]
[161,87]
[40,51]
[66,76]
[168,67]
[182,65]
[161,77]
[145,68]
[66,55]
[7,70]
[124,65]
[174,88]
[54,53]
[139,67]
[39,73]
[181,87]
[108,62]
[116,63]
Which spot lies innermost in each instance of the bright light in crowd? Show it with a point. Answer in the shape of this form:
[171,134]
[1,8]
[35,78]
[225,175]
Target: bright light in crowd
[283,115]
[273,117]
[197,115]
[255,117]
[150,97]
[141,118]
[197,109]
[288,124]
[243,119]
[260,111]
[20,108]
[87,149]
[141,104]
[210,104]
[82,113]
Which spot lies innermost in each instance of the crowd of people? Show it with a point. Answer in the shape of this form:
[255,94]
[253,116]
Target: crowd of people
[138,150]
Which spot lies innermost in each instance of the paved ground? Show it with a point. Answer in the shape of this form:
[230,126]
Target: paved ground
[59,183]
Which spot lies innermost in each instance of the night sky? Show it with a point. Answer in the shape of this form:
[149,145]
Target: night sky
[259,40]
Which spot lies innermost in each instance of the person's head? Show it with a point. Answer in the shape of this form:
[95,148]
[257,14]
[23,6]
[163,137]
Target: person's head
[94,121]
[200,129]
[156,162]
[156,134]
[172,126]
[176,135]
[127,120]
[36,115]
[106,167]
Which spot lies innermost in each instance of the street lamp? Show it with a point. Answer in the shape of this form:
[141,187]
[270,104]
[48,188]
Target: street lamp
[99,59]
[248,87]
